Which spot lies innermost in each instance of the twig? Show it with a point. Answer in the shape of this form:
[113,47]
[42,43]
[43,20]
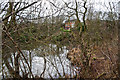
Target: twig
[100,75]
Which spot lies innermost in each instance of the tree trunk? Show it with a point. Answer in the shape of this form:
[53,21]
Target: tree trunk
[30,59]
[10,69]
[17,64]
[119,46]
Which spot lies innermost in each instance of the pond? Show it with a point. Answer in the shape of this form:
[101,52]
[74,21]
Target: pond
[53,63]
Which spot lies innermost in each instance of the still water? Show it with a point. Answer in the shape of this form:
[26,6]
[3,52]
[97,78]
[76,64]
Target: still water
[56,64]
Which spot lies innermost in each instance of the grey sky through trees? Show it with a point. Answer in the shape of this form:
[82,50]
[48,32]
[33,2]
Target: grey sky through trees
[48,9]
[98,4]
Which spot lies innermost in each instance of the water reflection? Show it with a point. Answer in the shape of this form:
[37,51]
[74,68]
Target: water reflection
[56,65]
[46,61]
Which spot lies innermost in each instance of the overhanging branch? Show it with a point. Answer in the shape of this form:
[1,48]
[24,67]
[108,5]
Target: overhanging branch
[15,12]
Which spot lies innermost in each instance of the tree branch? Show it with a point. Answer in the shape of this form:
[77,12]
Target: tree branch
[15,12]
